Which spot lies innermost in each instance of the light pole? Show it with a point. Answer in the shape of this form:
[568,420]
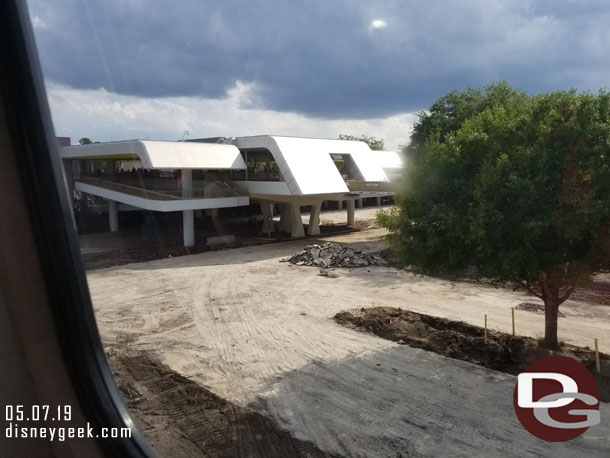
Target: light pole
[186,132]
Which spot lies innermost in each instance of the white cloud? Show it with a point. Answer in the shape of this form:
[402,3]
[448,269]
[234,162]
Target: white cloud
[38,23]
[361,59]
[104,116]
[378,24]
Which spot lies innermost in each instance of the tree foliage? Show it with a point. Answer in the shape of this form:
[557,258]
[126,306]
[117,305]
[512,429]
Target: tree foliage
[450,111]
[376,144]
[517,186]
[85,141]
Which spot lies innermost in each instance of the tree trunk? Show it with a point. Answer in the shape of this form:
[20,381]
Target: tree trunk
[550,292]
[551,311]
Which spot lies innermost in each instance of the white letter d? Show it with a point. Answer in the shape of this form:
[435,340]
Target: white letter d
[525,382]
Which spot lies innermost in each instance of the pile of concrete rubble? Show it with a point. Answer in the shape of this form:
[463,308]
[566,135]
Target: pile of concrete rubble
[332,254]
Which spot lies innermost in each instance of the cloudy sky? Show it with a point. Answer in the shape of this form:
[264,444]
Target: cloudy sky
[118,69]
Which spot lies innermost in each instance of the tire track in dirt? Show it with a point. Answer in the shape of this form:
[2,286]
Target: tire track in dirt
[262,337]
[181,419]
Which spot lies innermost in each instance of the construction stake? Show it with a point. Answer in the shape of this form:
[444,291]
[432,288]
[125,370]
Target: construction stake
[485,335]
[513,314]
[597,363]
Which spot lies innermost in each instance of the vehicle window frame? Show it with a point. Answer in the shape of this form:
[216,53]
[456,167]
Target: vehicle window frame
[36,154]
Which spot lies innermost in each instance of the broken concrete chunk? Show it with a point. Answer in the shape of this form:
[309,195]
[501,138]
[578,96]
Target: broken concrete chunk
[332,254]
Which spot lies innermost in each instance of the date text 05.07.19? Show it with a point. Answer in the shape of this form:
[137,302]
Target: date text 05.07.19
[38,413]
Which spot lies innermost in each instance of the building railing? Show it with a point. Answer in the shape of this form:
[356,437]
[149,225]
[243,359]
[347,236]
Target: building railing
[143,188]
[374,186]
[255,176]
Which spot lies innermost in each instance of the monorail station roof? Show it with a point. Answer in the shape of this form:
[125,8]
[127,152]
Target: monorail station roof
[307,165]
[162,154]
[389,159]
[290,171]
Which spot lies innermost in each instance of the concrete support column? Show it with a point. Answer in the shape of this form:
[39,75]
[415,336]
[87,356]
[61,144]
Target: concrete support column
[188,227]
[339,205]
[296,229]
[359,203]
[187,182]
[351,211]
[284,224]
[287,211]
[246,161]
[113,215]
[188,216]
[378,199]
[313,228]
[268,223]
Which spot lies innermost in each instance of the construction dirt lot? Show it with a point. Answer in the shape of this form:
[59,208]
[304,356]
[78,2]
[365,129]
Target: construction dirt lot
[233,353]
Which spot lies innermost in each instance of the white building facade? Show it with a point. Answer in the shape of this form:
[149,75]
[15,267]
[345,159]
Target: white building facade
[272,171]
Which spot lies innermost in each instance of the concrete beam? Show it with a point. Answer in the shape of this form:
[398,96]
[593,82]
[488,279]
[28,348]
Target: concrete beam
[162,205]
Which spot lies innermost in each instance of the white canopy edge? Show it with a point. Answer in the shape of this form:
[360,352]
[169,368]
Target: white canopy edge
[306,163]
[163,154]
[389,159]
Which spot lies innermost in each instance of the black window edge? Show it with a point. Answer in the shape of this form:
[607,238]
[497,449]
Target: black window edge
[39,169]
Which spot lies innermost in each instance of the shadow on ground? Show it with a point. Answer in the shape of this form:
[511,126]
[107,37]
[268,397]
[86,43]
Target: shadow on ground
[182,419]
[456,339]
[406,402]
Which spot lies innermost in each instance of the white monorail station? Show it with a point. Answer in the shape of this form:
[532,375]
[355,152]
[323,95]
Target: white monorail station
[290,172]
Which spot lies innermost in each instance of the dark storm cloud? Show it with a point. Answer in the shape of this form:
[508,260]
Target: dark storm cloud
[322,58]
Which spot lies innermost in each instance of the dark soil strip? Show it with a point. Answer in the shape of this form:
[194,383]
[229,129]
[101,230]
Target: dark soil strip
[180,418]
[460,340]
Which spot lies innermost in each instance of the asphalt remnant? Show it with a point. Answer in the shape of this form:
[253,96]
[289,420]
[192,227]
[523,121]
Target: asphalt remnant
[332,254]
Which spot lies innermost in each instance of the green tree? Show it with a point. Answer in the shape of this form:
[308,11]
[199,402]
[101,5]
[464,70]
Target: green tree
[520,189]
[85,141]
[376,144]
[450,111]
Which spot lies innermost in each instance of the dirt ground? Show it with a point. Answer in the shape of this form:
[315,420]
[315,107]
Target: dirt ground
[184,419]
[138,244]
[259,334]
[456,339]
